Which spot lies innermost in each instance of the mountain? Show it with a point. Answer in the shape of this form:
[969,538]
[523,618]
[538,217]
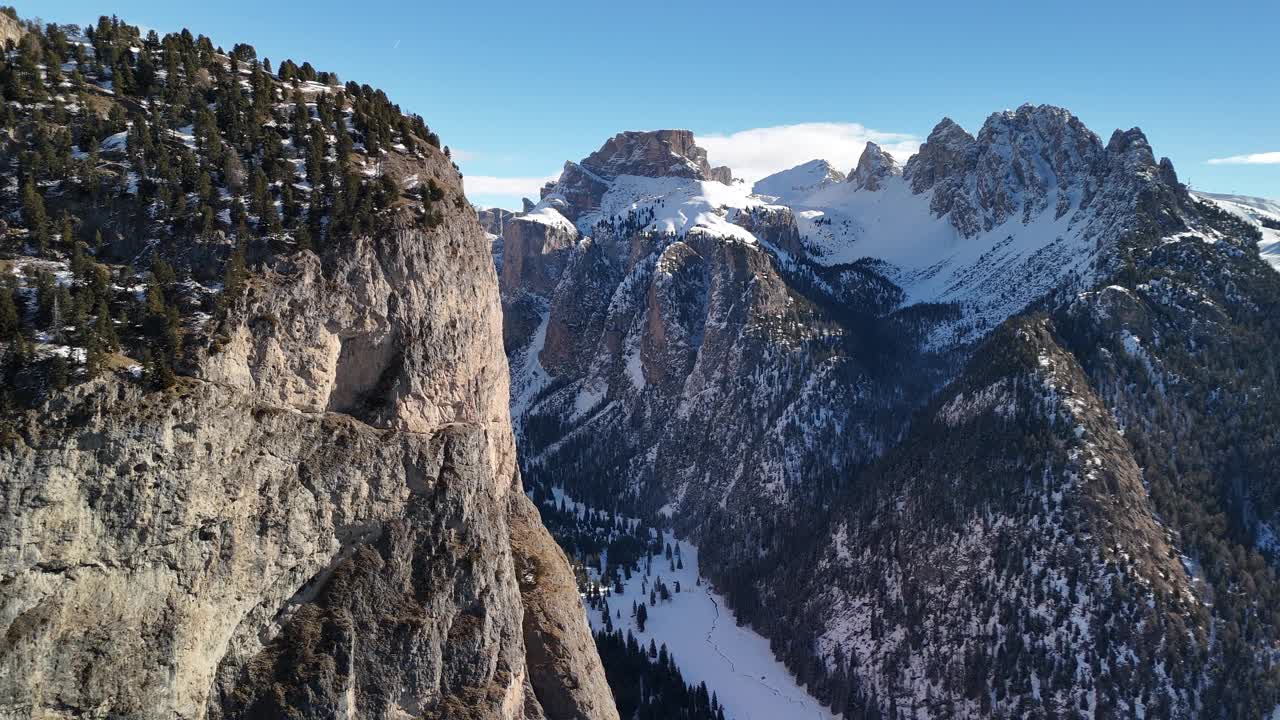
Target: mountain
[987,434]
[256,457]
[1263,213]
[799,181]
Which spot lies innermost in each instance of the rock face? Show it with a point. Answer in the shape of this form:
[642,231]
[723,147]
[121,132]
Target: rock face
[10,30]
[698,361]
[940,432]
[1022,162]
[874,165]
[494,220]
[535,250]
[656,154]
[661,153]
[324,520]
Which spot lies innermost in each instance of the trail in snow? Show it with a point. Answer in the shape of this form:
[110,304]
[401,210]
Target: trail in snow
[735,662]
[806,704]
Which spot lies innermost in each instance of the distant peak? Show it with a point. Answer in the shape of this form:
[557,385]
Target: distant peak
[644,153]
[654,153]
[873,166]
[799,181]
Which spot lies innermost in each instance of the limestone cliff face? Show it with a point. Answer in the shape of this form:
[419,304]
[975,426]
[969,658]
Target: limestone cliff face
[323,519]
[10,30]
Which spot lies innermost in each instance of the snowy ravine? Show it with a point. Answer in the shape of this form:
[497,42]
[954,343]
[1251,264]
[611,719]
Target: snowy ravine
[706,642]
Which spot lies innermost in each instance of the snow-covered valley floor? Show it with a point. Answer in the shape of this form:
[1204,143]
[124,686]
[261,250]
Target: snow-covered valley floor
[706,642]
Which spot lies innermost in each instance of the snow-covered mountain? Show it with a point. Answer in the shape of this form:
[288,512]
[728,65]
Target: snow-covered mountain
[800,181]
[1263,213]
[808,371]
[1251,206]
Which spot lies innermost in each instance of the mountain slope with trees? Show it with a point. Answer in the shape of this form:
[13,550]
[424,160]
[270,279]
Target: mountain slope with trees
[987,434]
[256,457]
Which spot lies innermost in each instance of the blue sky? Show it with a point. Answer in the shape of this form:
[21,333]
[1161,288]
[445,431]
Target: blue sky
[518,88]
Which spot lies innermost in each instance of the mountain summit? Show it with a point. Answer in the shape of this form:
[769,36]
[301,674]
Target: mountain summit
[874,165]
[651,154]
[799,181]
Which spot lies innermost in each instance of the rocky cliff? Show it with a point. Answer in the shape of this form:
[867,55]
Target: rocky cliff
[11,30]
[321,517]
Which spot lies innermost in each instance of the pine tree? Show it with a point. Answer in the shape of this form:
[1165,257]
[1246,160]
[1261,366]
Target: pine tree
[105,328]
[10,326]
[236,273]
[58,373]
[33,214]
[302,238]
[87,339]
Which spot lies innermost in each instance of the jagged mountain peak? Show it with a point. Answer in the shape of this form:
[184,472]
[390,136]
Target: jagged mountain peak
[947,134]
[651,154]
[873,166]
[654,153]
[1132,149]
[1131,142]
[946,152]
[1024,162]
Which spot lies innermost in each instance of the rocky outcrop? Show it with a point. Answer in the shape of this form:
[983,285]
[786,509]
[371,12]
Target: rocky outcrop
[658,153]
[945,154]
[1027,162]
[322,520]
[555,636]
[11,30]
[494,220]
[774,225]
[874,165]
[535,249]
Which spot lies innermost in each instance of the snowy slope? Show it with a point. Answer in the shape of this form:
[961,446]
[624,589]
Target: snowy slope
[799,181]
[991,275]
[1254,209]
[679,206]
[706,642]
[708,645]
[1245,203]
[548,216]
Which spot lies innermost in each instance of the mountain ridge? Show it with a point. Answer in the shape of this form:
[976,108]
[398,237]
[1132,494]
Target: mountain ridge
[742,365]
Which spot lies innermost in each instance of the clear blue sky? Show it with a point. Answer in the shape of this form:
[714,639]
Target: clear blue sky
[518,88]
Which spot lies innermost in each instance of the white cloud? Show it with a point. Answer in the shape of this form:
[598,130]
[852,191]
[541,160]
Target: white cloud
[755,153]
[514,187]
[1266,158]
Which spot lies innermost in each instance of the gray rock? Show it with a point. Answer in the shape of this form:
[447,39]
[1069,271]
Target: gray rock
[10,30]
[318,522]
[874,165]
[657,153]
